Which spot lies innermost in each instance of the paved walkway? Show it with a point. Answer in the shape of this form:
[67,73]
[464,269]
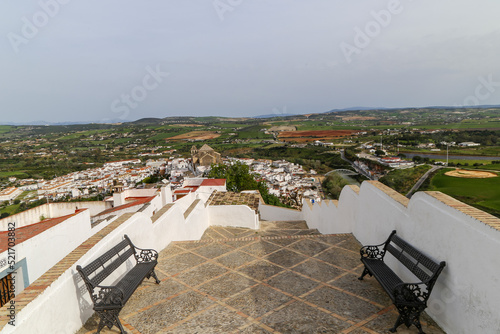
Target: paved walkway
[283,278]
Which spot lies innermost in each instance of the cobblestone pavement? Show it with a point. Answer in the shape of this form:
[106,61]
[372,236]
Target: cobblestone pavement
[283,278]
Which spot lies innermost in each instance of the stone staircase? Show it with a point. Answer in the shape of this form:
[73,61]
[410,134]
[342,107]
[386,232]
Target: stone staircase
[282,278]
[267,229]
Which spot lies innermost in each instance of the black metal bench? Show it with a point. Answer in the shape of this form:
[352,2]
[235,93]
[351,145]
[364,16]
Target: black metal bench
[109,300]
[409,298]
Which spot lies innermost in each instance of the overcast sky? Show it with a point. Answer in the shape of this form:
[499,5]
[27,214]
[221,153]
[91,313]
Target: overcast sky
[75,60]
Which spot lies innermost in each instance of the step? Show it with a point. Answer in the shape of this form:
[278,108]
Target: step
[283,225]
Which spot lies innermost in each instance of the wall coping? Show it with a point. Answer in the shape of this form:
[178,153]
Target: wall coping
[191,208]
[471,211]
[354,188]
[160,213]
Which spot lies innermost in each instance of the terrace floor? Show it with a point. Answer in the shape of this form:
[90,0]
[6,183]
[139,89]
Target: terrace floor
[284,278]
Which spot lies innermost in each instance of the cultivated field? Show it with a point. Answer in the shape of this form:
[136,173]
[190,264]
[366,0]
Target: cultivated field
[196,135]
[307,136]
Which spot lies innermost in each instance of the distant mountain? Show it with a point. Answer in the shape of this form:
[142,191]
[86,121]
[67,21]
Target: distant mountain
[356,108]
[150,120]
[187,119]
[44,123]
[274,115]
[484,106]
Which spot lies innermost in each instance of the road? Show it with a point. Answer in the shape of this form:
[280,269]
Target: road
[421,180]
[356,168]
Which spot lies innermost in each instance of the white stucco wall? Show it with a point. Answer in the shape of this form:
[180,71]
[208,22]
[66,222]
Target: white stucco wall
[27,217]
[119,198]
[464,300]
[233,215]
[466,297]
[65,305]
[49,247]
[52,210]
[66,208]
[166,194]
[276,213]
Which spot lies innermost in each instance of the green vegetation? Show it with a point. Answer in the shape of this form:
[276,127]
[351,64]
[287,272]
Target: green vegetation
[402,180]
[253,132]
[322,160]
[239,178]
[333,184]
[495,165]
[48,151]
[19,175]
[8,210]
[483,194]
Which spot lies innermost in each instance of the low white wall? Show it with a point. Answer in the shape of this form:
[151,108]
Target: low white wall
[119,198]
[52,210]
[27,217]
[233,215]
[276,213]
[65,208]
[49,247]
[466,297]
[66,305]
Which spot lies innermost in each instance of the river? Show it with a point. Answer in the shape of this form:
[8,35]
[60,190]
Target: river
[454,157]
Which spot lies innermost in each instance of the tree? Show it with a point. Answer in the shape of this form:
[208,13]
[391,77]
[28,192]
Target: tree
[417,159]
[379,153]
[239,178]
[333,184]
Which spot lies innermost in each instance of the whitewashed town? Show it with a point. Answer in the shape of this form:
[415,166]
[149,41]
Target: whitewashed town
[284,179]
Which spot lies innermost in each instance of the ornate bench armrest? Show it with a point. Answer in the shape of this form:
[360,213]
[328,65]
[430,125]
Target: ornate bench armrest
[108,297]
[411,293]
[373,252]
[145,255]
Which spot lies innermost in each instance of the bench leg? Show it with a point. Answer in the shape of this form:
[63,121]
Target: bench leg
[365,271]
[396,325]
[109,318]
[152,273]
[409,316]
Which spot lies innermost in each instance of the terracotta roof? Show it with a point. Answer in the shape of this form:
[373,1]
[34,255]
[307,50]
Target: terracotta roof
[214,182]
[182,191]
[28,232]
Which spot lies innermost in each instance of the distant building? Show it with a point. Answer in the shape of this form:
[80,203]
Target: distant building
[468,144]
[396,162]
[205,156]
[9,193]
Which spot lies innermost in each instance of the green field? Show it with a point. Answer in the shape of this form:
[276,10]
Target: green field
[19,175]
[483,194]
[489,167]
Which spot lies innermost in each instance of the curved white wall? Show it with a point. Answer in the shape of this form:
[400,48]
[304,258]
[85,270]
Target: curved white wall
[276,213]
[233,215]
[466,297]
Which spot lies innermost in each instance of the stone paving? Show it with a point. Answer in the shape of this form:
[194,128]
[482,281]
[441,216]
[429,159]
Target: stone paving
[284,278]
